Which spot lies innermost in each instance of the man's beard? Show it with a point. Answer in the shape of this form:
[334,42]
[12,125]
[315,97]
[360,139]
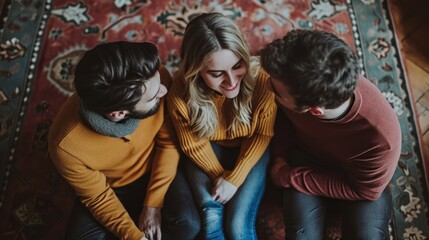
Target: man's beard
[143,115]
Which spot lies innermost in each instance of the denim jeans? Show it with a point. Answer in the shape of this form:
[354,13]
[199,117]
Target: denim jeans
[304,216]
[236,219]
[180,218]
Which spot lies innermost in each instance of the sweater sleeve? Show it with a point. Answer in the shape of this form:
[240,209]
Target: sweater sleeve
[166,159]
[197,149]
[253,148]
[96,194]
[366,179]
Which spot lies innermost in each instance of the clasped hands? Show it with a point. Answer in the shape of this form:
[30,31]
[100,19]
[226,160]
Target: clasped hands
[150,218]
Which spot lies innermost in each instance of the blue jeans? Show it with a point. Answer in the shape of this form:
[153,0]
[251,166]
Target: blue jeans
[304,216]
[180,218]
[236,219]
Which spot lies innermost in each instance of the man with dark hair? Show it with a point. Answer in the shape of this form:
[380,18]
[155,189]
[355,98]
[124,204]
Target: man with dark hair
[114,144]
[338,140]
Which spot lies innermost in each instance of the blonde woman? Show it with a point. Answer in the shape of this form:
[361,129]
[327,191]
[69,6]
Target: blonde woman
[224,118]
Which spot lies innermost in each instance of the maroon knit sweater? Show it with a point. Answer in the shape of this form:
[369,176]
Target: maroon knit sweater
[352,158]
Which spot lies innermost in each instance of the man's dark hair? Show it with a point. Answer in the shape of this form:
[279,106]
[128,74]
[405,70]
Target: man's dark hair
[318,67]
[110,76]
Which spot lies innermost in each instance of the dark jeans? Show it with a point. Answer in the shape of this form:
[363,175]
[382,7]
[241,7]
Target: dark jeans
[304,216]
[180,218]
[236,219]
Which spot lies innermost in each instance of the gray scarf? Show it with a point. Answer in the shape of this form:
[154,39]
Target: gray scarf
[106,127]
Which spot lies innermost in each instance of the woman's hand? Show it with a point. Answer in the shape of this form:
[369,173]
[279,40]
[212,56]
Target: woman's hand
[223,190]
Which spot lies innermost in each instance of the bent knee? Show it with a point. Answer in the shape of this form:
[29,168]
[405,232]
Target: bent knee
[212,212]
[212,209]
[187,228]
[181,227]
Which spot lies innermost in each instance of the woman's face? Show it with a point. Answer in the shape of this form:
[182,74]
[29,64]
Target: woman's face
[224,73]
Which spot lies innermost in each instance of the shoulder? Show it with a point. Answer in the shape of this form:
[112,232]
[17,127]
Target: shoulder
[260,78]
[68,131]
[263,100]
[373,102]
[378,112]
[65,120]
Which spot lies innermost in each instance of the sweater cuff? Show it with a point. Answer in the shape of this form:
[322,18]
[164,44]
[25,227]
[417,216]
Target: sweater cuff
[134,234]
[235,180]
[216,172]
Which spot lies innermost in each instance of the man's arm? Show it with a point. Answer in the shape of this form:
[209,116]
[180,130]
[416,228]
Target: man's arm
[365,180]
[164,167]
[94,192]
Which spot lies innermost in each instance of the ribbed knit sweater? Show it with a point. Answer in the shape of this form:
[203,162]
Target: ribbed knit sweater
[253,138]
[93,164]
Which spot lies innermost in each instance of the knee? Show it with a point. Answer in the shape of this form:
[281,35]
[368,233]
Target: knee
[185,226]
[212,220]
[212,211]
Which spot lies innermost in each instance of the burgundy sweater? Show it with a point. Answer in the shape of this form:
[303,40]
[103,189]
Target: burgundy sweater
[352,158]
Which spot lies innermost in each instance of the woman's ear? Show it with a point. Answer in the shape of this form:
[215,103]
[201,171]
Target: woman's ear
[117,116]
[317,111]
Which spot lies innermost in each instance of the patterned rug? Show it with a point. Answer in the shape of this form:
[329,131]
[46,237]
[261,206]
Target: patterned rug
[41,42]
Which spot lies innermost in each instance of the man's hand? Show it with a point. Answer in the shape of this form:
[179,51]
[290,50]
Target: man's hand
[223,190]
[150,223]
[280,172]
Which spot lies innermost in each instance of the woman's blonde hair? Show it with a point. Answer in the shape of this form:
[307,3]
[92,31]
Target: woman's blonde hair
[204,35]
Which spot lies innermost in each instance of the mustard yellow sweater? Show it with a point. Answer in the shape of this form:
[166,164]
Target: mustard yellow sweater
[253,138]
[93,164]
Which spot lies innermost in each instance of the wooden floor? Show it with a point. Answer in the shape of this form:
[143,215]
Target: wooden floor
[411,20]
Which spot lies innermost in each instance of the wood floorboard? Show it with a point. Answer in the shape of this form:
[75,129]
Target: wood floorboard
[411,21]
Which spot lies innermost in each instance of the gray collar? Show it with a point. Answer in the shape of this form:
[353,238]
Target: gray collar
[106,127]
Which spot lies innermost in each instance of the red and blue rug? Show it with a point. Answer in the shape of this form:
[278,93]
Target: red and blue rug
[42,40]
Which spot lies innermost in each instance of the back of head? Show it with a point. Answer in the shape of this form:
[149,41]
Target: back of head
[318,67]
[110,76]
